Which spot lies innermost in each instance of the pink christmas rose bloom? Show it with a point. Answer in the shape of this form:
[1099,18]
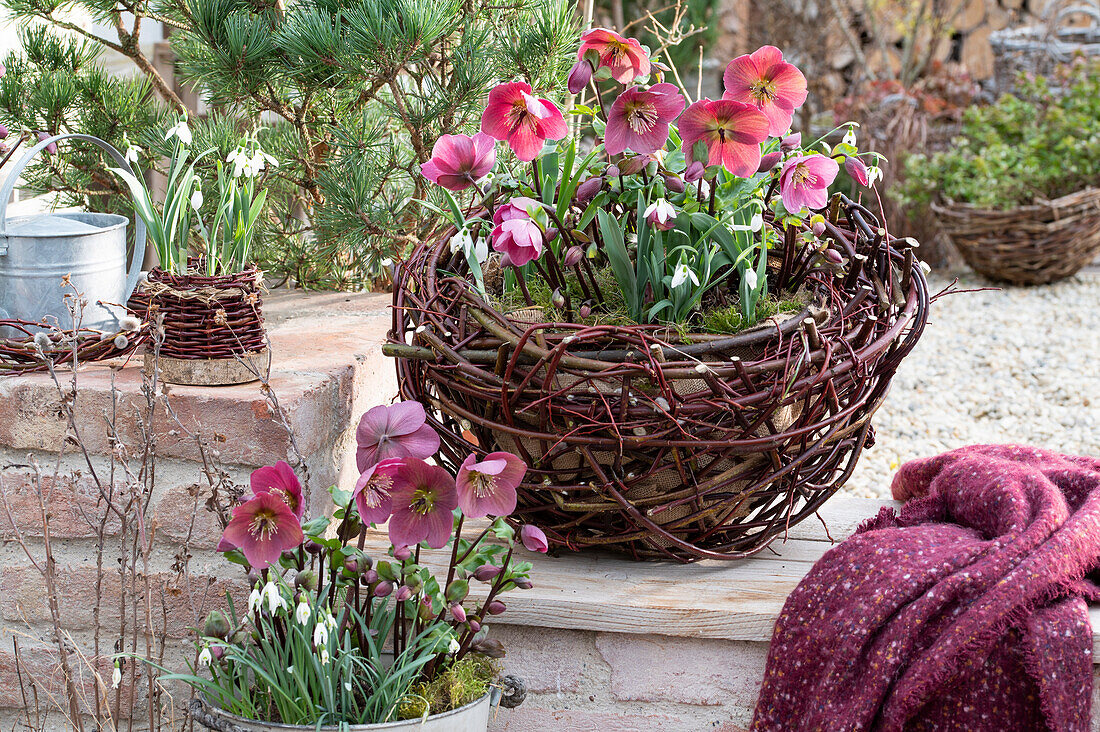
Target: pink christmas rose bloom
[515,233]
[805,182]
[764,80]
[458,161]
[623,57]
[732,132]
[525,122]
[372,491]
[639,119]
[396,431]
[423,498]
[533,538]
[263,528]
[488,487]
[280,480]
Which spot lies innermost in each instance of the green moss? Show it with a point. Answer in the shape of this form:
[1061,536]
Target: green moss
[729,319]
[464,682]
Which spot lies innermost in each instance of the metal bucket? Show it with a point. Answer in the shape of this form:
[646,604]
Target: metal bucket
[37,252]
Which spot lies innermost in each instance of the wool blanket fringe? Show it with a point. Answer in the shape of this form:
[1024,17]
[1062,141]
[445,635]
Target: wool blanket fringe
[965,610]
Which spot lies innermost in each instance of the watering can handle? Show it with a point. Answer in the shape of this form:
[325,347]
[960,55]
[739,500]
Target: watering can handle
[9,186]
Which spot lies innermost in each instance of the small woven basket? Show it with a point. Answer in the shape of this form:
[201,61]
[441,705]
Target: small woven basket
[655,443]
[213,325]
[1029,245]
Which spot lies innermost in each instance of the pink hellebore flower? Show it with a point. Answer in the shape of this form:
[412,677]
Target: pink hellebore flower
[281,481]
[423,498]
[732,132]
[769,83]
[372,491]
[639,119]
[458,161]
[263,528]
[624,57]
[533,538]
[857,170]
[805,180]
[395,431]
[661,215]
[522,120]
[515,233]
[488,487]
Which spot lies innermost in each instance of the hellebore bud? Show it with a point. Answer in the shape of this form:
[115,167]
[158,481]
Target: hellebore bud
[769,161]
[584,311]
[573,256]
[313,547]
[579,76]
[402,553]
[486,572]
[634,164]
[550,234]
[383,589]
[52,147]
[216,625]
[558,299]
[307,580]
[833,256]
[458,612]
[694,172]
[217,652]
[426,613]
[3,132]
[857,170]
[818,228]
[613,171]
[370,577]
[674,183]
[474,625]
[404,592]
[587,191]
[790,142]
[353,565]
[495,607]
[523,583]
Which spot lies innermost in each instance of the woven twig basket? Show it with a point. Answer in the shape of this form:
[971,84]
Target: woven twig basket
[1028,245]
[654,444]
[1039,49]
[213,325]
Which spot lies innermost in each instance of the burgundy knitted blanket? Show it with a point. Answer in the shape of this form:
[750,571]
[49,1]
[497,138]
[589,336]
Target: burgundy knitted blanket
[965,611]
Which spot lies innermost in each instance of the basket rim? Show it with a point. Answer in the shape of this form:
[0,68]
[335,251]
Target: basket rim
[947,206]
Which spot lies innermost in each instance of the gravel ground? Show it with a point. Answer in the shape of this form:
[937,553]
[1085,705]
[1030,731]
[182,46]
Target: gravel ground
[1018,365]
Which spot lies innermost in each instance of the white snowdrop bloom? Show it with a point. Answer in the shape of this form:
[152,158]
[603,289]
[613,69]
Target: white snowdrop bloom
[132,153]
[874,173]
[196,199]
[751,279]
[273,598]
[255,600]
[454,646]
[206,657]
[181,131]
[660,213]
[324,656]
[757,222]
[239,159]
[330,621]
[850,137]
[302,613]
[320,634]
[682,274]
[116,677]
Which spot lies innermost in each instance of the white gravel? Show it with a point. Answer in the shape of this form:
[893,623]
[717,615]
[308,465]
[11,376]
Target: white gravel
[1018,365]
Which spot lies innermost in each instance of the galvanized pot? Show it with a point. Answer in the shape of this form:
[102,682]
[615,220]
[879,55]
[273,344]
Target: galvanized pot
[474,717]
[36,252]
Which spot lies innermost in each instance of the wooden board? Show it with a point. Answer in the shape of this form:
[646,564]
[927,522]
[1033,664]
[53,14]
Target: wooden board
[723,600]
[210,371]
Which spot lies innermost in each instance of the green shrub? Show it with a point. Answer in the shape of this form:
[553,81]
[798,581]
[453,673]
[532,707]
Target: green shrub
[1042,142]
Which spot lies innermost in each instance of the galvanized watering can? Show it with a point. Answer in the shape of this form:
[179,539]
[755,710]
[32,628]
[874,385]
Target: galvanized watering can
[36,252]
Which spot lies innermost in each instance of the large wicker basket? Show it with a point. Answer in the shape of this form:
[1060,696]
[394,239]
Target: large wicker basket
[1030,245]
[656,444]
[213,326]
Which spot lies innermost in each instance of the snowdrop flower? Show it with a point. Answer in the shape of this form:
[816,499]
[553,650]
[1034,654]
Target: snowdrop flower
[116,677]
[682,274]
[751,279]
[302,613]
[661,215]
[874,173]
[132,154]
[756,223]
[463,242]
[255,600]
[850,137]
[320,634]
[273,597]
[180,130]
[206,657]
[196,199]
[324,656]
[454,646]
[347,686]
[330,622]
[239,159]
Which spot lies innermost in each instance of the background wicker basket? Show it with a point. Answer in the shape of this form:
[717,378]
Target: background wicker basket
[1028,245]
[654,444]
[213,325]
[1071,28]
